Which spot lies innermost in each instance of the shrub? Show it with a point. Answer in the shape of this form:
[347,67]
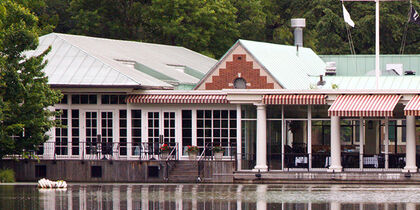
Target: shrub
[218,149]
[165,148]
[192,149]
[7,175]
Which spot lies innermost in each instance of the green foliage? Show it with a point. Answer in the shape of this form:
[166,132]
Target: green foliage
[212,26]
[120,19]
[24,88]
[7,175]
[208,27]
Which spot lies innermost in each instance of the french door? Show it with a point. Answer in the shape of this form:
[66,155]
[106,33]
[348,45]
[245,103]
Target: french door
[99,130]
[161,129]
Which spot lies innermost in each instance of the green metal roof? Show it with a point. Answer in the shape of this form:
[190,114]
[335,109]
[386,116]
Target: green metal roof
[289,67]
[368,82]
[360,65]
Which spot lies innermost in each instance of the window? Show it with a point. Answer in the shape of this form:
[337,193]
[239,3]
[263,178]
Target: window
[136,131]
[61,134]
[123,132]
[239,83]
[113,99]
[349,131]
[64,100]
[186,129]
[217,127]
[84,99]
[75,131]
[397,131]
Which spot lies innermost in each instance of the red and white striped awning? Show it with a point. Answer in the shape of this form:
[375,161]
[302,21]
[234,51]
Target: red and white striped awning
[364,105]
[177,99]
[413,106]
[294,99]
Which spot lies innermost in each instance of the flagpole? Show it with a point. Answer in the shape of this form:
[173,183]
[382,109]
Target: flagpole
[377,49]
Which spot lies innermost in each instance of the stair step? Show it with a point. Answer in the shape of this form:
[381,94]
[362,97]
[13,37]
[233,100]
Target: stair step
[183,171]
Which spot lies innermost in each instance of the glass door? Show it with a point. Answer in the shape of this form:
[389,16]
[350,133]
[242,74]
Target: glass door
[161,128]
[91,130]
[99,130]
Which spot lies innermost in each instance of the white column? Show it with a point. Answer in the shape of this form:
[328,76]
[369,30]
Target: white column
[410,150]
[310,136]
[386,143]
[361,141]
[129,128]
[283,136]
[238,137]
[335,145]
[261,138]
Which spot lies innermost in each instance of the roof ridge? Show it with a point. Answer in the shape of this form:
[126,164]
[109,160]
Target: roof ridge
[118,40]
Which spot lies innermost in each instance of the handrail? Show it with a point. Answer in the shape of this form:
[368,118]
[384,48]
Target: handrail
[200,157]
[167,161]
[172,151]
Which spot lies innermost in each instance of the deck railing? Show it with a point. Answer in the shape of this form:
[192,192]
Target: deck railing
[322,161]
[103,151]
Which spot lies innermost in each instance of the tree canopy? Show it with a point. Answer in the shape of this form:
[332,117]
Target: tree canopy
[24,92]
[212,26]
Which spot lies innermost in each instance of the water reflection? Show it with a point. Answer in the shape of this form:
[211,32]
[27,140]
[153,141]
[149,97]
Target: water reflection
[191,196]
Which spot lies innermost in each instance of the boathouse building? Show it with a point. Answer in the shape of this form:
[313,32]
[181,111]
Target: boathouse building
[269,107]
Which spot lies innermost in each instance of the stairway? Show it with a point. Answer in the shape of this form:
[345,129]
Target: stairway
[183,171]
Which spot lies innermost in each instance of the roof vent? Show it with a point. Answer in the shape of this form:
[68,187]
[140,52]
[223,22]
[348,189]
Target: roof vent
[127,63]
[395,67]
[298,24]
[177,67]
[410,72]
[321,82]
[331,68]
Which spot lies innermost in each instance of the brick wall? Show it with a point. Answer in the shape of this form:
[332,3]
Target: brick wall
[239,68]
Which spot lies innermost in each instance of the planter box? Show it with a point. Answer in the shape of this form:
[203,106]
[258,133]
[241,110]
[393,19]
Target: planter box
[192,156]
[218,155]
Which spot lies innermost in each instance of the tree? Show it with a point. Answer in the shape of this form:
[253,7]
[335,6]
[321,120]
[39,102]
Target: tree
[25,95]
[208,27]
[118,19]
[251,19]
[212,26]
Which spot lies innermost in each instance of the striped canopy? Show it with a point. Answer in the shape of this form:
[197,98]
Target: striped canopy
[177,99]
[294,99]
[364,105]
[413,106]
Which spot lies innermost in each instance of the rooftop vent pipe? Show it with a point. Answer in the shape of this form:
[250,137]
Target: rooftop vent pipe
[321,82]
[298,24]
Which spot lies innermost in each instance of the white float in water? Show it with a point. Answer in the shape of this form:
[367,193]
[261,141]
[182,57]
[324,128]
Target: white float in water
[46,183]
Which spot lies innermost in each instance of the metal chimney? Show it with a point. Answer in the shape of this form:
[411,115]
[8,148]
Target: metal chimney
[298,24]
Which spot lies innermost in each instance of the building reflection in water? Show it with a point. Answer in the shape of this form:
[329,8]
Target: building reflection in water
[191,196]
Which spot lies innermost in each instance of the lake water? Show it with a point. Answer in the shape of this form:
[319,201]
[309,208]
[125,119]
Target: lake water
[211,196]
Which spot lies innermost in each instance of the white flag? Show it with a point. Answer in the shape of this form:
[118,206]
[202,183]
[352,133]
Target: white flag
[347,18]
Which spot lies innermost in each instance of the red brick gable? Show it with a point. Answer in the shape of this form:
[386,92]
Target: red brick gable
[239,68]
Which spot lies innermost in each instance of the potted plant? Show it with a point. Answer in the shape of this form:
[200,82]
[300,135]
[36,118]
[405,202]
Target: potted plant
[165,150]
[218,152]
[192,152]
